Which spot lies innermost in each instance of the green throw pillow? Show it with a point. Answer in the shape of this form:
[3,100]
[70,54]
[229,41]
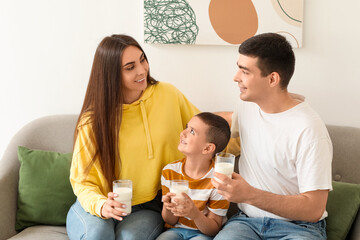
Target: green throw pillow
[342,207]
[45,194]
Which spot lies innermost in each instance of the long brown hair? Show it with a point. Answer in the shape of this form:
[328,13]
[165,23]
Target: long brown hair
[103,102]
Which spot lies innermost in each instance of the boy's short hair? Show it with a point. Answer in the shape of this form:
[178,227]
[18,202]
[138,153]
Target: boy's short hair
[218,131]
[274,54]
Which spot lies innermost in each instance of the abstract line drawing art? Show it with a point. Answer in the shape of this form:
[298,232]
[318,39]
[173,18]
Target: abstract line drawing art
[169,21]
[221,22]
[289,11]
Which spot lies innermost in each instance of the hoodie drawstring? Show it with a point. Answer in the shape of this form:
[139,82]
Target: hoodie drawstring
[147,131]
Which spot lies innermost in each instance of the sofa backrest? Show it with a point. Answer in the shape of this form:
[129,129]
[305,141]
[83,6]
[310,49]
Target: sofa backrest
[346,160]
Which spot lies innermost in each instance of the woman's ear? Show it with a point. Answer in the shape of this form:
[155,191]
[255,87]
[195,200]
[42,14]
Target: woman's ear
[209,148]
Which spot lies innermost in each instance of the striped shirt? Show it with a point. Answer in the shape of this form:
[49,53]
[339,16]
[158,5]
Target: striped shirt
[201,191]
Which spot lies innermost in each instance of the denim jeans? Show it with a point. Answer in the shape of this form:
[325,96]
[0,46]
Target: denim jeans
[183,234]
[144,222]
[240,226]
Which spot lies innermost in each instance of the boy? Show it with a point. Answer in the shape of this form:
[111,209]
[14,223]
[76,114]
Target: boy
[199,215]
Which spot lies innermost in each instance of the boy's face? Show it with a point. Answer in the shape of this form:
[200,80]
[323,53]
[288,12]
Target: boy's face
[253,86]
[193,137]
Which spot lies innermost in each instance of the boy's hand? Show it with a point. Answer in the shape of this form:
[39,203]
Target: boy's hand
[166,199]
[185,207]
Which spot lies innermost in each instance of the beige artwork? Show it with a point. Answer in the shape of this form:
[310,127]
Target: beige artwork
[233,21]
[220,22]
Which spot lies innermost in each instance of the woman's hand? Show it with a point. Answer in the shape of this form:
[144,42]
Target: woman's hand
[298,97]
[112,208]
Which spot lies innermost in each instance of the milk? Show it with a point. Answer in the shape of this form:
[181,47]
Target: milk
[178,189]
[124,197]
[225,168]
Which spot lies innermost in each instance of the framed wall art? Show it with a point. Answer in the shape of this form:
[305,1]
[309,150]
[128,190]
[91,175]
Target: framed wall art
[220,22]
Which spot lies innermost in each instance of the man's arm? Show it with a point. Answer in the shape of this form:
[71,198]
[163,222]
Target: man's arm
[308,206]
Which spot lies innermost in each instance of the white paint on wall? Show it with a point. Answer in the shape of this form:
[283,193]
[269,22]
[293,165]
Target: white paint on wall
[46,51]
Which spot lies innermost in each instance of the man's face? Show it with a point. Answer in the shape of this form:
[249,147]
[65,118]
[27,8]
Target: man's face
[253,86]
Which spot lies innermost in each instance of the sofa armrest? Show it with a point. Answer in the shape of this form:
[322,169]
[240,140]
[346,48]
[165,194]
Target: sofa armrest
[9,178]
[354,233]
[52,133]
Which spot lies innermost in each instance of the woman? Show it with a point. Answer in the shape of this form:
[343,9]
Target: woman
[128,128]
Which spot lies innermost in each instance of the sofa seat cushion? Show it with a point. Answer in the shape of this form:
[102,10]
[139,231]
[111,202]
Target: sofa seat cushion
[42,233]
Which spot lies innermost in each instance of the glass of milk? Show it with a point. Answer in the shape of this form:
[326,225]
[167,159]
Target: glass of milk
[123,188]
[224,163]
[178,187]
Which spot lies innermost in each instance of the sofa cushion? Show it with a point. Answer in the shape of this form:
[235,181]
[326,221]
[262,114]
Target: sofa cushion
[342,207]
[45,193]
[42,233]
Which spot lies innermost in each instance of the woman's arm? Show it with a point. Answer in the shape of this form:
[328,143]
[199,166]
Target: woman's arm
[85,182]
[226,115]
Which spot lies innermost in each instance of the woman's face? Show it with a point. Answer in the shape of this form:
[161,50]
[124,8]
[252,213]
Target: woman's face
[134,73]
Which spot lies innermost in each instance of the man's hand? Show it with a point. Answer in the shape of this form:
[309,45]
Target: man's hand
[234,190]
[307,206]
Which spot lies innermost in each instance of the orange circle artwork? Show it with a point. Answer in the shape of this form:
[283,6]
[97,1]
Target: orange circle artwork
[234,21]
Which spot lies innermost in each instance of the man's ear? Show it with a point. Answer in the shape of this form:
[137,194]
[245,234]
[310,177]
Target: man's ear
[209,148]
[274,79]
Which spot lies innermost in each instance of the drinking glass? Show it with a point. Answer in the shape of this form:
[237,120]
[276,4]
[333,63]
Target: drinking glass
[178,187]
[123,188]
[224,163]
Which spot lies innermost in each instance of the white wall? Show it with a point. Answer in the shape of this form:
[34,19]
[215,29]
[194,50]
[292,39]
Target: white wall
[46,51]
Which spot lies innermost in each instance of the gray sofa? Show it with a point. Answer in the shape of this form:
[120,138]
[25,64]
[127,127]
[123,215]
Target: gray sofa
[55,133]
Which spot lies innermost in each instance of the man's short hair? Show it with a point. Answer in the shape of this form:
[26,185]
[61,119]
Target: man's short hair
[218,131]
[274,54]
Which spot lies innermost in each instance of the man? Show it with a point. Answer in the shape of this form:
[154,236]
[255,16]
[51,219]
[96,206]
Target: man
[286,152]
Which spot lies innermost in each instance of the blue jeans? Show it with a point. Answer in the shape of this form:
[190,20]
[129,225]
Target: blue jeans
[144,222]
[240,226]
[183,234]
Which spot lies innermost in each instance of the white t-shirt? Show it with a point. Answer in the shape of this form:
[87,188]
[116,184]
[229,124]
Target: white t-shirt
[284,153]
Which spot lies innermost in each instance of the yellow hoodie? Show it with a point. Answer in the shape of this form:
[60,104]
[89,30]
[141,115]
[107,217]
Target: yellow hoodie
[149,136]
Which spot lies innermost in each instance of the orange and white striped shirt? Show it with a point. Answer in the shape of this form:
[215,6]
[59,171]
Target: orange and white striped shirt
[201,191]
